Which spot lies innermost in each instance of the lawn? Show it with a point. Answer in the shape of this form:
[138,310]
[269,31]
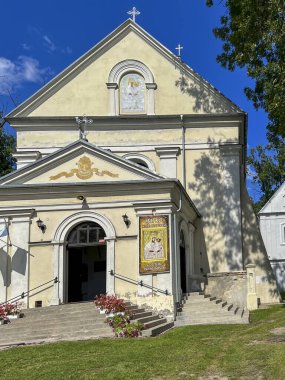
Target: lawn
[193,352]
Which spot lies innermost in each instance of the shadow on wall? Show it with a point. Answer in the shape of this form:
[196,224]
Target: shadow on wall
[217,204]
[18,263]
[254,249]
[5,266]
[213,193]
[201,261]
[204,101]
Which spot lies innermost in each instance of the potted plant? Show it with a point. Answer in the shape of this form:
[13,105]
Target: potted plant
[110,304]
[10,311]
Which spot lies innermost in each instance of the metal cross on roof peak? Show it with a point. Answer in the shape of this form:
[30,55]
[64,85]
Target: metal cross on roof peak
[134,12]
[179,48]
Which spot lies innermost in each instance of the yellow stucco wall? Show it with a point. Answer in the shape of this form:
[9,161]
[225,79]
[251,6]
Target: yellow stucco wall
[126,138]
[96,169]
[41,271]
[87,93]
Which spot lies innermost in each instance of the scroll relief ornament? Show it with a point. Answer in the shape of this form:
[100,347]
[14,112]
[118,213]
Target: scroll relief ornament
[84,171]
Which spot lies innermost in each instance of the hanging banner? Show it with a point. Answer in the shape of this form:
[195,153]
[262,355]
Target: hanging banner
[154,244]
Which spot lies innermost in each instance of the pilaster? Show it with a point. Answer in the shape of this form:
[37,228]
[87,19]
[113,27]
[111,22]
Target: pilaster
[168,160]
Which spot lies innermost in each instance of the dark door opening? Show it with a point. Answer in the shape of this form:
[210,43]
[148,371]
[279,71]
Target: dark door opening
[86,259]
[183,264]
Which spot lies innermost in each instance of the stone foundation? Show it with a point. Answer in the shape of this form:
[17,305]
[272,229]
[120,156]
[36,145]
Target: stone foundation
[229,286]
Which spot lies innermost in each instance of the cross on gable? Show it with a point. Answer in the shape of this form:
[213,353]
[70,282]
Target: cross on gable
[134,12]
[179,48]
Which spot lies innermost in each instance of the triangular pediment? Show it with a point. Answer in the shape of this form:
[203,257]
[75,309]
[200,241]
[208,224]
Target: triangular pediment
[78,163]
[276,203]
[81,88]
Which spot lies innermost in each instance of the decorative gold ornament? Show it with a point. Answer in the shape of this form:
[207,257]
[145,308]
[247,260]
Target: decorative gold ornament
[84,171]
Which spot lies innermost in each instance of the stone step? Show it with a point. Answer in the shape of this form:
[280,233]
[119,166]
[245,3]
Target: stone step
[72,322]
[200,309]
[155,322]
[61,318]
[52,333]
[70,305]
[43,338]
[147,319]
[135,311]
[208,322]
[6,329]
[60,310]
[208,317]
[141,315]
[158,329]
[132,307]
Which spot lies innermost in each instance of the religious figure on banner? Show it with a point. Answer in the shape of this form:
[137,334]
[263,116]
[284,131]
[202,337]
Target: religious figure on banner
[154,249]
[154,244]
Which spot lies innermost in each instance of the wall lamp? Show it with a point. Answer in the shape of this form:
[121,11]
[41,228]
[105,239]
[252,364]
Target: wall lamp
[126,220]
[41,225]
[81,198]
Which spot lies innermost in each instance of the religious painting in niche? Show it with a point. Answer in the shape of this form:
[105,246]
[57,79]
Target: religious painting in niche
[132,94]
[154,244]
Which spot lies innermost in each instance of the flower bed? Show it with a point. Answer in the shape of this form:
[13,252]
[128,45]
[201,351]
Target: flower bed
[10,311]
[124,328]
[115,308]
[110,304]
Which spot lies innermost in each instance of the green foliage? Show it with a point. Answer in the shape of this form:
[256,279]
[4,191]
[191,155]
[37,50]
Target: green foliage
[7,147]
[268,164]
[253,35]
[123,327]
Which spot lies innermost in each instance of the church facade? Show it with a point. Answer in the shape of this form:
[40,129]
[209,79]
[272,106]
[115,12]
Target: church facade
[144,198]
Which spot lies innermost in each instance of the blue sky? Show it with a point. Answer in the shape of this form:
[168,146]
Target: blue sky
[39,39]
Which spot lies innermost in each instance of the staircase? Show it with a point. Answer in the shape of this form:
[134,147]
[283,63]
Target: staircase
[76,321]
[153,323]
[200,309]
[73,321]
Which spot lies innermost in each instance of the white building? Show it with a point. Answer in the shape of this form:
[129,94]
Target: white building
[272,226]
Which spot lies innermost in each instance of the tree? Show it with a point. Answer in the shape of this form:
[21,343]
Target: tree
[7,146]
[253,35]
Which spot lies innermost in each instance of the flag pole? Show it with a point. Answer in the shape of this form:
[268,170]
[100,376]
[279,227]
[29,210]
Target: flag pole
[9,244]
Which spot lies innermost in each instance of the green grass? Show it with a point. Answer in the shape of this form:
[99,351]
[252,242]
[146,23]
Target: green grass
[235,351]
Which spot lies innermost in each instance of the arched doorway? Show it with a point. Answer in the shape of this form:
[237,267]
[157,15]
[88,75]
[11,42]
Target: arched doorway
[182,263]
[86,262]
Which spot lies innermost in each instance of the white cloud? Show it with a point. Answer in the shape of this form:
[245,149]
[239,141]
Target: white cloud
[67,50]
[49,44]
[26,46]
[24,69]
[52,47]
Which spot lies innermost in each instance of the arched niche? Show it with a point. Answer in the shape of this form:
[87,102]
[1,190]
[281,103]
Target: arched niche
[135,68]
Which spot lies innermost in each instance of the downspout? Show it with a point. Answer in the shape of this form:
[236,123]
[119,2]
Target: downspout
[183,152]
[177,297]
